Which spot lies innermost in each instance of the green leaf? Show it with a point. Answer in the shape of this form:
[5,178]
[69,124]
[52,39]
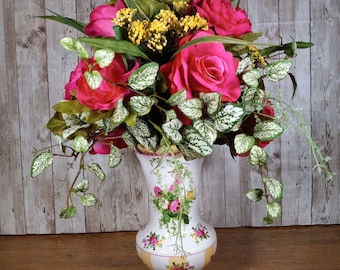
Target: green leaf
[119,46]
[115,157]
[273,210]
[104,57]
[207,129]
[276,71]
[81,51]
[177,98]
[251,77]
[228,117]
[142,105]
[192,108]
[97,170]
[93,79]
[89,200]
[40,162]
[243,143]
[196,142]
[216,38]
[185,218]
[257,156]
[255,195]
[144,77]
[213,101]
[80,144]
[171,129]
[267,131]
[268,220]
[69,212]
[70,107]
[82,186]
[150,7]
[274,187]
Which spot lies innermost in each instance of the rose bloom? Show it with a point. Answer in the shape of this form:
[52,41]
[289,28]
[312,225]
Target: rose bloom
[102,144]
[205,67]
[174,206]
[110,90]
[223,18]
[101,20]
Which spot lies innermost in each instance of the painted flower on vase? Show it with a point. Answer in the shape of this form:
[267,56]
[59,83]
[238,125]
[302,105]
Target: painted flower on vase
[180,266]
[153,240]
[200,233]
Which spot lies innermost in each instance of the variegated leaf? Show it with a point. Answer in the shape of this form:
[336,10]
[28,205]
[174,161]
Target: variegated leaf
[129,139]
[93,79]
[276,71]
[274,187]
[255,195]
[142,105]
[196,142]
[207,129]
[243,143]
[177,98]
[80,144]
[69,212]
[144,77]
[267,131]
[243,65]
[192,108]
[273,210]
[171,129]
[120,113]
[228,117]
[82,186]
[141,132]
[40,163]
[68,43]
[104,57]
[251,77]
[170,114]
[115,157]
[97,170]
[213,101]
[89,200]
[257,156]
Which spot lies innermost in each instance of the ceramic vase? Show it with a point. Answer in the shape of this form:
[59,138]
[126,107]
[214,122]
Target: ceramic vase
[175,237]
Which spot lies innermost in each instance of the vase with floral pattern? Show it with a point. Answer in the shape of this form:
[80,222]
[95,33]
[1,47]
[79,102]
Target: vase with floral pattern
[175,237]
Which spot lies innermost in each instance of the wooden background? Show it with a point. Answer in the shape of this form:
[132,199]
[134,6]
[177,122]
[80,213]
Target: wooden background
[34,69]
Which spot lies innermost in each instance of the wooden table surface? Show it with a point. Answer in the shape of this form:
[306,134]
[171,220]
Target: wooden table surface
[302,247]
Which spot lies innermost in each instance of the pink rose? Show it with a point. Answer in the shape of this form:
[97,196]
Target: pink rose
[223,18]
[205,67]
[102,144]
[200,233]
[174,206]
[110,90]
[157,191]
[101,20]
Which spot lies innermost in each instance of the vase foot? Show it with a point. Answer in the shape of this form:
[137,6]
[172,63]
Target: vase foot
[195,261]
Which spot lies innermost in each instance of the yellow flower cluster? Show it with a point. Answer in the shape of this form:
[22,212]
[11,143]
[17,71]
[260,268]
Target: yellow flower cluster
[256,57]
[165,25]
[180,6]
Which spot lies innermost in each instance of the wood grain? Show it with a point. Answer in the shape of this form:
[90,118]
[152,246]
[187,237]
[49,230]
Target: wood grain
[280,248]
[34,69]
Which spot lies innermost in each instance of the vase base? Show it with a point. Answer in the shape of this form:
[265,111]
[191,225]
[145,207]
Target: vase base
[196,261]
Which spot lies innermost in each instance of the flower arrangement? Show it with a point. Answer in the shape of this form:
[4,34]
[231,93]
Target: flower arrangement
[171,77]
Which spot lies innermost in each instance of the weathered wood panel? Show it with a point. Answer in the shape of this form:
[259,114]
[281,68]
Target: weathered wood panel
[34,69]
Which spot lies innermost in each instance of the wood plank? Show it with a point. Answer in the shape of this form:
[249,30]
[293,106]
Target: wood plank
[325,100]
[291,248]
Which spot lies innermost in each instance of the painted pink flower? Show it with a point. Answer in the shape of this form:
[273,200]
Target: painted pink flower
[102,144]
[101,20]
[153,240]
[174,206]
[200,233]
[111,89]
[172,188]
[205,67]
[223,18]
[157,191]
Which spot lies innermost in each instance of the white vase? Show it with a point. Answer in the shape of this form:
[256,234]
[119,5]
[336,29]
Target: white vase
[175,237]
